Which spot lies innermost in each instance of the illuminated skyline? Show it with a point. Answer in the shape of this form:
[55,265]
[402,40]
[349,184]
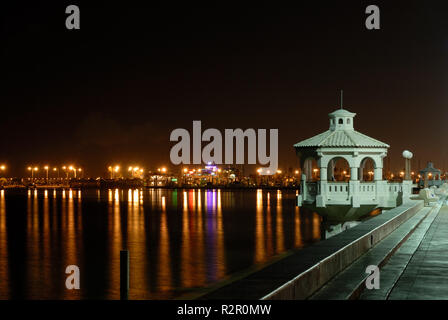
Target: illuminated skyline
[115,93]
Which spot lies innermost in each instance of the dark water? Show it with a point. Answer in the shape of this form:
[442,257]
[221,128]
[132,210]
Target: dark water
[179,241]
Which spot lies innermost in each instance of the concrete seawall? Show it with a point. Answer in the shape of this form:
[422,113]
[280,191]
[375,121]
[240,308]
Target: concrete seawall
[301,274]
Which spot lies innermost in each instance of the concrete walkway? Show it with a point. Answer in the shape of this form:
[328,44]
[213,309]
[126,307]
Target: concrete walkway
[426,274]
[419,268]
[413,262]
[350,283]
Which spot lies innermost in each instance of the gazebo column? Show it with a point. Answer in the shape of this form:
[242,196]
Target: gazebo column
[378,174]
[321,197]
[354,173]
[323,174]
[354,187]
[330,171]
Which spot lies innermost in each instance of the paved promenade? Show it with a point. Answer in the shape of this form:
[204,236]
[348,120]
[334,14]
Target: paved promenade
[419,268]
[426,274]
[413,263]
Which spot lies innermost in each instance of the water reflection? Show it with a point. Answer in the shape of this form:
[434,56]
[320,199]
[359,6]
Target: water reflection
[260,251]
[4,266]
[179,240]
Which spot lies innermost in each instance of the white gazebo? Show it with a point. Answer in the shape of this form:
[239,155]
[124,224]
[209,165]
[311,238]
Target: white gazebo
[343,141]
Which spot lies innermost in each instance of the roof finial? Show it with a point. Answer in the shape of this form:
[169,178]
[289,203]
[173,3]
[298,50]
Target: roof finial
[342,98]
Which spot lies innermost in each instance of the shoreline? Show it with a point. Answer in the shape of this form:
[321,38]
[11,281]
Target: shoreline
[147,187]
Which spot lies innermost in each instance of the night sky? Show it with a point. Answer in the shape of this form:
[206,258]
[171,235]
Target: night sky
[113,91]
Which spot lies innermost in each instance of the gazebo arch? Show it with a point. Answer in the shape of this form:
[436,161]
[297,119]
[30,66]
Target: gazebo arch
[336,171]
[309,164]
[367,168]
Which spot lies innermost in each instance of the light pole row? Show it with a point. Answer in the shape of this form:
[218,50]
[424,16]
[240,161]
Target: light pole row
[34,170]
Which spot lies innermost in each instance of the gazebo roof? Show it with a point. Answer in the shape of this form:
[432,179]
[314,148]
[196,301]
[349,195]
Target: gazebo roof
[430,168]
[341,134]
[342,113]
[341,138]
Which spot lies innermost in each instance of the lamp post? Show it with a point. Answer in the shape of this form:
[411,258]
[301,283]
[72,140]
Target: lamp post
[66,172]
[407,179]
[35,169]
[407,171]
[116,170]
[185,175]
[46,169]
[134,171]
[3,168]
[56,169]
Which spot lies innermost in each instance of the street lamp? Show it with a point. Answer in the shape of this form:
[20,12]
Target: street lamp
[113,171]
[66,172]
[35,169]
[56,169]
[46,169]
[3,168]
[72,169]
